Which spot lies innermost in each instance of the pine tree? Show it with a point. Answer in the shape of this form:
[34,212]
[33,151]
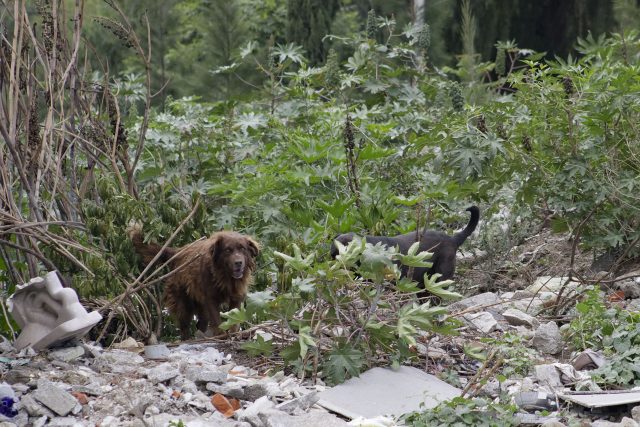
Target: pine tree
[309,21]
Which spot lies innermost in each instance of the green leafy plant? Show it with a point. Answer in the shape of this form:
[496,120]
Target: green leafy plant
[593,322]
[518,358]
[341,316]
[465,412]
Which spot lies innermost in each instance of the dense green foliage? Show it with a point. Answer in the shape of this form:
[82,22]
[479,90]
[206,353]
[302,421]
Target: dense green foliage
[376,140]
[613,331]
[190,38]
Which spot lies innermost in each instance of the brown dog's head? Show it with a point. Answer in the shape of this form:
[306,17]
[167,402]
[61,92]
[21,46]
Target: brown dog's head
[234,253]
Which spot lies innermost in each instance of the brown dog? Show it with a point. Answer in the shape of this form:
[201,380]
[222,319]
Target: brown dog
[443,247]
[210,273]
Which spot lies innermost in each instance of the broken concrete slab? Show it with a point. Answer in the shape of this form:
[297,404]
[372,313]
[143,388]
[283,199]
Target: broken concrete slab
[602,399]
[299,404]
[483,321]
[162,373]
[55,398]
[552,284]
[480,300]
[48,313]
[199,375]
[67,354]
[383,391]
[516,317]
[275,418]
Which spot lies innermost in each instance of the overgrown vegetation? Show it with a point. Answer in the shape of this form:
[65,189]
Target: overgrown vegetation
[378,143]
[613,331]
[339,317]
[465,412]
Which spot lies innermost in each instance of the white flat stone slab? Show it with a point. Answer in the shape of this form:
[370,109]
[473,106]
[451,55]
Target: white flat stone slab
[600,400]
[383,391]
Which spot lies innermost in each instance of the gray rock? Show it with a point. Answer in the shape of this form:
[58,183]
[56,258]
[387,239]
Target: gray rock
[162,373]
[548,375]
[67,354]
[64,422]
[90,389]
[299,404]
[630,287]
[54,398]
[312,419]
[119,361]
[233,389]
[39,422]
[516,317]
[19,375]
[482,321]
[199,374]
[480,300]
[625,422]
[547,339]
[635,413]
[33,408]
[253,392]
[251,414]
[552,423]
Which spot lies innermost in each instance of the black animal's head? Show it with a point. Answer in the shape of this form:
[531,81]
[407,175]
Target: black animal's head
[342,238]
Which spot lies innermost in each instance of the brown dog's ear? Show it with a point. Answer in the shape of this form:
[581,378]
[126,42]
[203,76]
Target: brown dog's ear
[254,247]
[216,246]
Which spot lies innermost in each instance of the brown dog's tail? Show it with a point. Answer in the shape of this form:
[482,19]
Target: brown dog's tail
[149,250]
[461,236]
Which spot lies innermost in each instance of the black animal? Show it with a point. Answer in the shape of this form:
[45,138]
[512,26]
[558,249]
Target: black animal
[443,247]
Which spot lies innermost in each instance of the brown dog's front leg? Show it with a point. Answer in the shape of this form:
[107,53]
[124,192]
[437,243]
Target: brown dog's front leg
[214,321]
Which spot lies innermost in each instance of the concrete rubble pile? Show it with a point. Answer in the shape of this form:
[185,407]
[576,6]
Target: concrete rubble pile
[85,385]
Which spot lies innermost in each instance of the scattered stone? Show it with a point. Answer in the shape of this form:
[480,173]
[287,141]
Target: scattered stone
[251,414]
[483,321]
[156,351]
[64,422]
[480,300]
[162,373]
[553,284]
[33,408]
[516,317]
[299,404]
[40,422]
[128,344]
[255,391]
[548,375]
[625,422]
[119,361]
[630,288]
[547,339]
[19,375]
[91,389]
[535,401]
[54,398]
[275,418]
[552,423]
[199,374]
[232,389]
[635,413]
[67,354]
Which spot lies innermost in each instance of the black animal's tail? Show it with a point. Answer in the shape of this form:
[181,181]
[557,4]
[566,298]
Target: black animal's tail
[460,237]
